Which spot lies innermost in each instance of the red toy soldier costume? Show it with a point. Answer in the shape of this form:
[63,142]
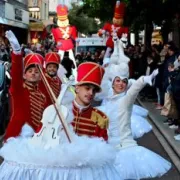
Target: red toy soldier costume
[52,61]
[87,119]
[116,27]
[27,101]
[64,34]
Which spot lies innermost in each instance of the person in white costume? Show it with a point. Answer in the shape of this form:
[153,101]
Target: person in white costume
[139,123]
[133,161]
[56,152]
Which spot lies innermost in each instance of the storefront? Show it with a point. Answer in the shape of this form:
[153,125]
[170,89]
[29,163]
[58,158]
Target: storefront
[36,30]
[16,19]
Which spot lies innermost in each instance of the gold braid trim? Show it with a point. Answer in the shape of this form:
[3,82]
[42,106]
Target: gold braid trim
[101,120]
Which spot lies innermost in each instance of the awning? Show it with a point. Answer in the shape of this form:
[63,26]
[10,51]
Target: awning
[13,23]
[36,26]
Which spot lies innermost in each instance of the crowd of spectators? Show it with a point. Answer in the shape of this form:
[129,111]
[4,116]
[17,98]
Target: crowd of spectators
[166,87]
[142,62]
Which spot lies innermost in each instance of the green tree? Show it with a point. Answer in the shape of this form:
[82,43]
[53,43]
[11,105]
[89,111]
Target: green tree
[139,13]
[84,23]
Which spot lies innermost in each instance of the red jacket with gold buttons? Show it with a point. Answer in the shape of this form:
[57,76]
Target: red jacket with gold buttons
[27,101]
[55,84]
[65,37]
[109,28]
[90,122]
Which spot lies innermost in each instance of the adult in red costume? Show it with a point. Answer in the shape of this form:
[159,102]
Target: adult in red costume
[52,62]
[88,120]
[64,34]
[115,27]
[27,101]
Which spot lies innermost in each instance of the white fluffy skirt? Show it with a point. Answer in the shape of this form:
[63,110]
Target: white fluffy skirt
[140,110]
[84,159]
[138,162]
[15,171]
[139,126]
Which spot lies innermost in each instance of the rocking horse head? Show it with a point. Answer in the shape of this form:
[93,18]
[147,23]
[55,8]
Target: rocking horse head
[115,37]
[118,55]
[123,41]
[115,55]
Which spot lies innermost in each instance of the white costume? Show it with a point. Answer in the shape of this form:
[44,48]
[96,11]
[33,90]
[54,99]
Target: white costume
[139,123]
[133,161]
[85,158]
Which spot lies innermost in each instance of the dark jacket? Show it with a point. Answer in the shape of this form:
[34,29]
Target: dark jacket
[171,59]
[175,83]
[159,77]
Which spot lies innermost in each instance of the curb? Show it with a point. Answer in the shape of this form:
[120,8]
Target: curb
[172,150]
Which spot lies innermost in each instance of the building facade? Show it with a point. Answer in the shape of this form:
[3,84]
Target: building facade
[14,16]
[38,10]
[39,14]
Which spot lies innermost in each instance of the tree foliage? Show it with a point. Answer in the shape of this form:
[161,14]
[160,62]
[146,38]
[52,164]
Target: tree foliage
[138,13]
[82,21]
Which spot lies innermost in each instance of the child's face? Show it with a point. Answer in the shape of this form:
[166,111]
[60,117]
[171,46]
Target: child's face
[170,68]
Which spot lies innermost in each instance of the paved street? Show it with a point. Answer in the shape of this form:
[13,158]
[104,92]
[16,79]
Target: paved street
[150,141]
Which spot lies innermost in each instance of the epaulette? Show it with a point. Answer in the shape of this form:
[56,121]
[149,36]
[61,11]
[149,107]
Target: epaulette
[100,118]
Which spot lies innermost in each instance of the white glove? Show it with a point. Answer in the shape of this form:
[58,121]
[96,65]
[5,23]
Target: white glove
[13,41]
[148,79]
[59,44]
[154,73]
[106,61]
[74,75]
[27,51]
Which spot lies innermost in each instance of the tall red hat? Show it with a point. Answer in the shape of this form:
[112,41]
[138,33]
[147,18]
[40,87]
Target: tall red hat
[52,57]
[32,59]
[90,73]
[119,10]
[62,12]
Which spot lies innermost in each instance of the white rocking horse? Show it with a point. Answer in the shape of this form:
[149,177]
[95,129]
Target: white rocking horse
[118,55]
